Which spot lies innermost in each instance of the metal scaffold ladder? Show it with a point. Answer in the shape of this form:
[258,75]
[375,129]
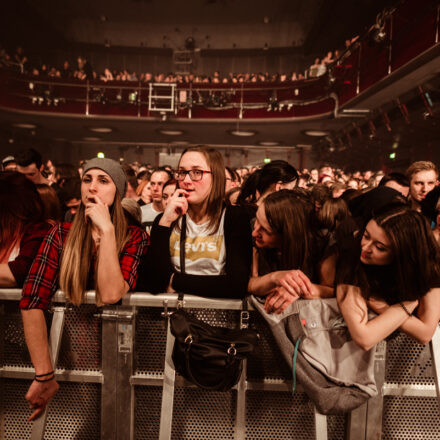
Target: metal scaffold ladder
[161,97]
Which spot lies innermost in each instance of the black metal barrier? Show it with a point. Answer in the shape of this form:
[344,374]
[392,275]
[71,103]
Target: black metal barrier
[117,381]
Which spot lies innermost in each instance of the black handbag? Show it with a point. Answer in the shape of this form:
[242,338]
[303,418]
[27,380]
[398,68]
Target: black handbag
[208,356]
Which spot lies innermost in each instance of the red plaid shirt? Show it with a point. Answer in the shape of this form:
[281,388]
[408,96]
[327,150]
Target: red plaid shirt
[42,280]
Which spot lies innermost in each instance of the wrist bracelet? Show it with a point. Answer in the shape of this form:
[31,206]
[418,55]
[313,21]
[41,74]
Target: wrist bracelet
[44,380]
[45,374]
[404,308]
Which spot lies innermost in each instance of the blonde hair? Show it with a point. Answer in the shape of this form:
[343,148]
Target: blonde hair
[421,165]
[77,253]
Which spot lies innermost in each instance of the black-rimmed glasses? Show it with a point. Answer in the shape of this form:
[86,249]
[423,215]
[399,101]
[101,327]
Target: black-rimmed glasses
[194,175]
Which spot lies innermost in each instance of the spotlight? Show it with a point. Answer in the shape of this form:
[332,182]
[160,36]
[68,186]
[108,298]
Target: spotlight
[132,97]
[378,34]
[190,43]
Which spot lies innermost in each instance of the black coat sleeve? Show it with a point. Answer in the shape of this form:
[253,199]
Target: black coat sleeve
[233,284]
[156,269]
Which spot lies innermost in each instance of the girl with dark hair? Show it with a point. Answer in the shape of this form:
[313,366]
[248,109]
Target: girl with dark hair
[51,203]
[99,251]
[274,176]
[287,257]
[22,227]
[217,239]
[396,274]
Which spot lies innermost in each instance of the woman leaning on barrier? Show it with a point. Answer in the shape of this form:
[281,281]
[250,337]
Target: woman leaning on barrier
[288,258]
[218,247]
[395,272]
[99,250]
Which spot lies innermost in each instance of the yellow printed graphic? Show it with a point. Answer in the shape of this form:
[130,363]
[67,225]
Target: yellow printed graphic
[197,247]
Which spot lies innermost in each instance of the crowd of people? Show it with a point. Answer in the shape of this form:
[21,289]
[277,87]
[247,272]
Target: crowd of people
[82,70]
[370,239]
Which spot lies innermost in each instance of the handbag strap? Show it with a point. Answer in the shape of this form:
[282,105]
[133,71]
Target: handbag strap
[182,244]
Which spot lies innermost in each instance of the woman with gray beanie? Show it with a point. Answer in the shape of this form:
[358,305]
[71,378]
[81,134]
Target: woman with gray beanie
[99,251]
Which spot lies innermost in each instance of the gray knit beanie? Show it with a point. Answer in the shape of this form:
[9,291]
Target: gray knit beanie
[113,169]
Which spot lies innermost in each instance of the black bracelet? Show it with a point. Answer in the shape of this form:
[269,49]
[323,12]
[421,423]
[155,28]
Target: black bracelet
[44,380]
[404,308]
[45,374]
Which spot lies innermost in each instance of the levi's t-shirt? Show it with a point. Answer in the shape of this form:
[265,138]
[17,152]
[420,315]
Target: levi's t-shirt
[205,254]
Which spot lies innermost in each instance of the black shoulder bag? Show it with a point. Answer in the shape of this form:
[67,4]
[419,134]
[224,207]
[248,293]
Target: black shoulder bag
[210,357]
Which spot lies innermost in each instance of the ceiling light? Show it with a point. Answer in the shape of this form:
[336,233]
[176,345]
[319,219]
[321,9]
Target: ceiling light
[242,133]
[268,143]
[316,133]
[171,132]
[101,129]
[92,139]
[24,125]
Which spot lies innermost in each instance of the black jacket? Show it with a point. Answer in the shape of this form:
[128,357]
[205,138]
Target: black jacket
[157,267]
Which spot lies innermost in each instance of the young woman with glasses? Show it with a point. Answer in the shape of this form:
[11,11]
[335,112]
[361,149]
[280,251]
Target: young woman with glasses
[218,247]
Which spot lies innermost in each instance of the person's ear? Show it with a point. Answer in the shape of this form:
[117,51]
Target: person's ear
[278,186]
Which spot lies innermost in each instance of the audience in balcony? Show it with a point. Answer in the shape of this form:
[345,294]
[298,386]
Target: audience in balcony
[84,71]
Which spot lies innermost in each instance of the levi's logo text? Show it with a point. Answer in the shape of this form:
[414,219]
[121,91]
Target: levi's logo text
[197,247]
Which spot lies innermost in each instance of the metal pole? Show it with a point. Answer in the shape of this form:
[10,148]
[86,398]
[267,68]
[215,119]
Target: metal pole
[434,345]
[169,378]
[56,333]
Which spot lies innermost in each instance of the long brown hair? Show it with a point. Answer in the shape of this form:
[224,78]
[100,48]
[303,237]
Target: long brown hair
[288,217]
[21,206]
[215,202]
[414,269]
[78,250]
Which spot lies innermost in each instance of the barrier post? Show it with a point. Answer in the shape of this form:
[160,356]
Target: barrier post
[169,377]
[117,368]
[434,345]
[375,404]
[56,333]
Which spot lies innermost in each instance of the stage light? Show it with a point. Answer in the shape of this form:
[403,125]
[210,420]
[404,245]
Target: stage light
[100,155]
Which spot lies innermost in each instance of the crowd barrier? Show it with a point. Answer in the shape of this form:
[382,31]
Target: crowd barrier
[117,381]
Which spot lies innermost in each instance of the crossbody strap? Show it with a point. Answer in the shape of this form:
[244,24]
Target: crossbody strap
[182,244]
[182,256]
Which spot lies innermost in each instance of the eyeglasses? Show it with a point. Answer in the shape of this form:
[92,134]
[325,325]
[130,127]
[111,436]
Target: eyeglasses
[194,175]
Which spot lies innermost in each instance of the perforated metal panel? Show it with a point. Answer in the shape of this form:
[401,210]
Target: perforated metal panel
[15,410]
[279,416]
[81,343]
[150,341]
[411,418]
[335,427]
[203,415]
[147,408]
[75,413]
[14,345]
[408,362]
[267,362]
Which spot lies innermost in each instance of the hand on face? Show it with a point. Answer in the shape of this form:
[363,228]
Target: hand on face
[177,206]
[98,213]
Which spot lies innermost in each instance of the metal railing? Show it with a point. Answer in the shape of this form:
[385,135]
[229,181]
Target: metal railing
[118,381]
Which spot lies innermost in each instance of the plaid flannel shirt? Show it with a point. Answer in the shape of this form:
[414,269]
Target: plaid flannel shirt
[42,280]
[29,245]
